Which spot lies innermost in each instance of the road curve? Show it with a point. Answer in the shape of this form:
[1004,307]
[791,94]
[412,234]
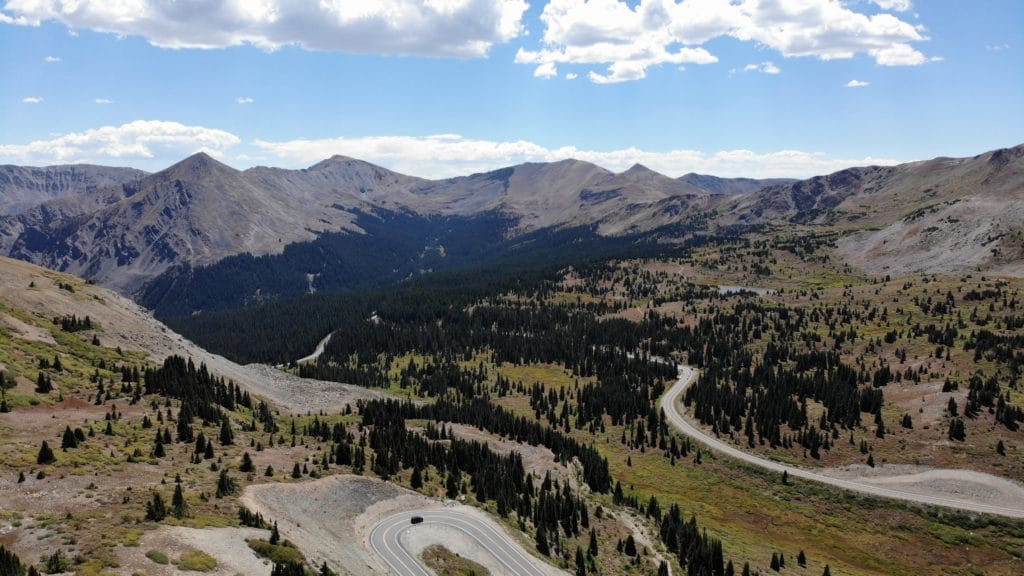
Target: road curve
[672,405]
[386,542]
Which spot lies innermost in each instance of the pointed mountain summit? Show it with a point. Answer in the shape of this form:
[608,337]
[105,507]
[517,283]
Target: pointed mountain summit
[196,166]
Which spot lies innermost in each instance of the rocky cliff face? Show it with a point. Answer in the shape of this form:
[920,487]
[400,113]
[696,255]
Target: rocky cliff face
[24,187]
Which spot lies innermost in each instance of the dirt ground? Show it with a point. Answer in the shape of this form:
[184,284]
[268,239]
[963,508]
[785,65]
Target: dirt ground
[226,545]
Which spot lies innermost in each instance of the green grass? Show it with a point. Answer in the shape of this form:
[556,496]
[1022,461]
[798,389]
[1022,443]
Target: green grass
[444,562]
[196,561]
[157,556]
[284,552]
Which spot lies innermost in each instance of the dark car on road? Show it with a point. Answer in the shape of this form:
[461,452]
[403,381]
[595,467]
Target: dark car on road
[417,519]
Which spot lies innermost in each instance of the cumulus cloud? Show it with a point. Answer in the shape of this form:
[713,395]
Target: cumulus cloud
[449,155]
[450,28]
[571,76]
[546,70]
[897,5]
[627,40]
[52,59]
[766,67]
[142,139]
[856,84]
[244,100]
[104,101]
[32,100]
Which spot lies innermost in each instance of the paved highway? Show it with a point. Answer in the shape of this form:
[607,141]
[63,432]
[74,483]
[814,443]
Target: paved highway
[671,403]
[385,539]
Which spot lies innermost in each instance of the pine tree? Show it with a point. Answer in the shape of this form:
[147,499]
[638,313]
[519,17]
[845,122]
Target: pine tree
[156,510]
[542,542]
[269,471]
[775,562]
[1000,448]
[43,383]
[275,535]
[296,471]
[45,454]
[247,465]
[178,506]
[630,546]
[592,548]
[416,481]
[225,485]
[68,441]
[827,571]
[10,564]
[581,563]
[801,559]
[158,448]
[227,437]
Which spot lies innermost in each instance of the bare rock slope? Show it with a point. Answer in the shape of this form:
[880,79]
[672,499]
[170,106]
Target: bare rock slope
[24,187]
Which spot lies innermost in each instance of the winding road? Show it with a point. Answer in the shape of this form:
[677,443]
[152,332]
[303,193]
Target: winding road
[385,540]
[671,403]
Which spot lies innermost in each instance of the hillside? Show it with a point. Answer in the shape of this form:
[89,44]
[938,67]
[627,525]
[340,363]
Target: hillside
[945,215]
[31,297]
[23,187]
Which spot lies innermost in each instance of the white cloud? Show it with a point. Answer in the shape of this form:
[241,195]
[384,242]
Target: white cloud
[627,40]
[897,5]
[32,100]
[766,67]
[451,28]
[997,47]
[571,76]
[546,70]
[244,100]
[142,139]
[104,101]
[52,59]
[856,84]
[448,155]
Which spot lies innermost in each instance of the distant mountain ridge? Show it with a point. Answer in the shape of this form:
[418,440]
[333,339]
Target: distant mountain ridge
[126,229]
[24,187]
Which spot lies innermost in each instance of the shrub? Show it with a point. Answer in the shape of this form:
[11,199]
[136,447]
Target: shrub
[157,556]
[196,561]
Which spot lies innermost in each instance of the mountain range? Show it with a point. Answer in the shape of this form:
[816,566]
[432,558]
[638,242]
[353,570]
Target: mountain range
[202,227]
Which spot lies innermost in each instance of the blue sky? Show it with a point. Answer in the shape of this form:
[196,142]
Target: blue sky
[756,88]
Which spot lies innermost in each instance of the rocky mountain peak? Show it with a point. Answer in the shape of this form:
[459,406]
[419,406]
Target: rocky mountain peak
[198,165]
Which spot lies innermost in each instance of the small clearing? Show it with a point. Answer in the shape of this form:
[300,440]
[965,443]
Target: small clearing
[226,545]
